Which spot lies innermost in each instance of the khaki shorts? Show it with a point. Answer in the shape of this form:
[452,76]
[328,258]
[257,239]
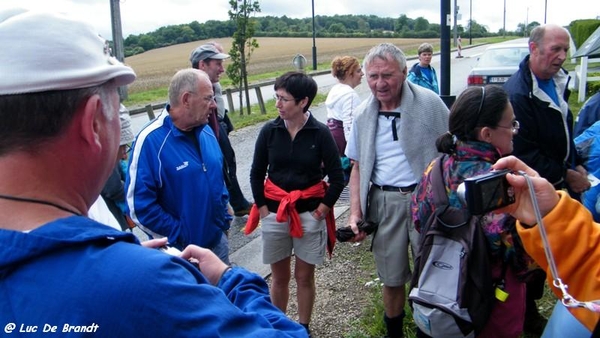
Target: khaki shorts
[279,244]
[391,209]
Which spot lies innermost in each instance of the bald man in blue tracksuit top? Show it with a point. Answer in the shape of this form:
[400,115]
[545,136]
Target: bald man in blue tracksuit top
[168,191]
[175,187]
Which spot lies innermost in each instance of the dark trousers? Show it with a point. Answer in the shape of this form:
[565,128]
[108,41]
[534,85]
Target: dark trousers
[236,196]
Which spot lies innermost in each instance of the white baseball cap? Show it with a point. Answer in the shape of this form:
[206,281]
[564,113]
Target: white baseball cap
[126,130]
[47,51]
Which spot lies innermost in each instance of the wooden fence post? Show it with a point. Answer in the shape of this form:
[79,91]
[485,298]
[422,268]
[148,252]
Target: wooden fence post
[261,102]
[150,112]
[230,100]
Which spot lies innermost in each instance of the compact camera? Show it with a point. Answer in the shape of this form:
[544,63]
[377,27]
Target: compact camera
[176,252]
[487,192]
[170,250]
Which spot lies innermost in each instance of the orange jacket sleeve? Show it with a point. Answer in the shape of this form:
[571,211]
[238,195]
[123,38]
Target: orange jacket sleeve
[575,243]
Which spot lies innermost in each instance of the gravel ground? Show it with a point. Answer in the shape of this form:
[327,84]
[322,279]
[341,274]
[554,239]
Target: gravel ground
[342,295]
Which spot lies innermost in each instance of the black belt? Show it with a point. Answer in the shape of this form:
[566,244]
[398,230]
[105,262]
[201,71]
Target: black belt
[406,189]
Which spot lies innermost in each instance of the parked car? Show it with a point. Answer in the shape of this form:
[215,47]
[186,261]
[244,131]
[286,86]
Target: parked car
[498,62]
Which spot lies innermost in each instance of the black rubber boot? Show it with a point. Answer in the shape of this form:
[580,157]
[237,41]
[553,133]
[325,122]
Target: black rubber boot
[394,326]
[307,329]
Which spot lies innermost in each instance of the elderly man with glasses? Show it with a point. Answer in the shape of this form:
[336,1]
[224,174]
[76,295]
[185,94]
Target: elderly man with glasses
[175,186]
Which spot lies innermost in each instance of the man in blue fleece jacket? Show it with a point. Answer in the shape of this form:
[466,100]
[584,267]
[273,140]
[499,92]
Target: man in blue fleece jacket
[60,271]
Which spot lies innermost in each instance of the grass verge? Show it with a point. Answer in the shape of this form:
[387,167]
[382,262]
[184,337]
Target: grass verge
[371,324]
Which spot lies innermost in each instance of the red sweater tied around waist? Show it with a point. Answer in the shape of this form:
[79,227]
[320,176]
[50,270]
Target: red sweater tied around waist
[287,210]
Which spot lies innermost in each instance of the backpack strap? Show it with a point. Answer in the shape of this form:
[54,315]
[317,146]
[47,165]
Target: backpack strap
[440,199]
[443,210]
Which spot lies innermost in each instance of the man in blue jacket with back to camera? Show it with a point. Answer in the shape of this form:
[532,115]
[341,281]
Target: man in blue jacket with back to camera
[61,272]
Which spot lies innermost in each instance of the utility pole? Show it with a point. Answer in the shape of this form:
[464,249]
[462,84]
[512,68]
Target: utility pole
[455,20]
[244,13]
[314,48]
[470,21]
[117,37]
[504,22]
[445,22]
[527,24]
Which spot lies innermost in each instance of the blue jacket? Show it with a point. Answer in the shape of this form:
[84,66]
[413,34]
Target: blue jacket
[74,271]
[417,77]
[588,115]
[545,140]
[175,188]
[588,146]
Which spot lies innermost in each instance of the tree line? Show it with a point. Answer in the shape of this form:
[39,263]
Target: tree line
[351,26]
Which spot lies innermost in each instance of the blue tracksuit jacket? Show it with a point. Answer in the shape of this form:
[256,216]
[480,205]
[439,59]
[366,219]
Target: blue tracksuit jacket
[175,186]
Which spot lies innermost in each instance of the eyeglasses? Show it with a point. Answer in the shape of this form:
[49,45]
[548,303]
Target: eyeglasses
[514,126]
[482,99]
[281,98]
[208,99]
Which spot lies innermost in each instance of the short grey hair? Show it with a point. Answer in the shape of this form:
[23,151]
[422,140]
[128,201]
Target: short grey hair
[385,51]
[425,48]
[185,80]
[537,34]
[30,119]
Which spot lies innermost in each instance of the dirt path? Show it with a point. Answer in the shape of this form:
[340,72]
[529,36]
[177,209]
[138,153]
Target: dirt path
[342,296]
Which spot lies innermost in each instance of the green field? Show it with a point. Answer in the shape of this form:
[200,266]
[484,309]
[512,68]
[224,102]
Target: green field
[155,68]
[273,58]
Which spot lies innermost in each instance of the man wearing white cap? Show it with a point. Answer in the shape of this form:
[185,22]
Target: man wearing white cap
[61,271]
[209,58]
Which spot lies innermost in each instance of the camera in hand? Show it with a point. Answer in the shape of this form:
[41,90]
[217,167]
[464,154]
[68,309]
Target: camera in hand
[345,234]
[170,250]
[176,252]
[487,192]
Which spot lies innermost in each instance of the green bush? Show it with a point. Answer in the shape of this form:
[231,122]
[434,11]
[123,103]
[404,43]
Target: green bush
[582,29]
[593,87]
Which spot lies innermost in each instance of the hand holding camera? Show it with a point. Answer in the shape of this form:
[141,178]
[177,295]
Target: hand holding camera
[486,192]
[211,266]
[505,190]
[205,260]
[354,230]
[522,209]
[345,234]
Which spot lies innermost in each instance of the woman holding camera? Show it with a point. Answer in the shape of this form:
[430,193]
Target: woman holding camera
[481,128]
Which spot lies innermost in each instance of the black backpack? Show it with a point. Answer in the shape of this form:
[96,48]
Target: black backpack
[452,294]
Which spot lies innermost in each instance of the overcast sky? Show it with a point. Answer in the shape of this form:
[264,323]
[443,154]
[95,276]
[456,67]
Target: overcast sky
[143,16]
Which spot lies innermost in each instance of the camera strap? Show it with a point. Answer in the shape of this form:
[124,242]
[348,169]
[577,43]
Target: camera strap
[567,299]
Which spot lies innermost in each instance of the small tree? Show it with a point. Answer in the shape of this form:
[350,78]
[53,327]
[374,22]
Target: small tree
[243,45]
